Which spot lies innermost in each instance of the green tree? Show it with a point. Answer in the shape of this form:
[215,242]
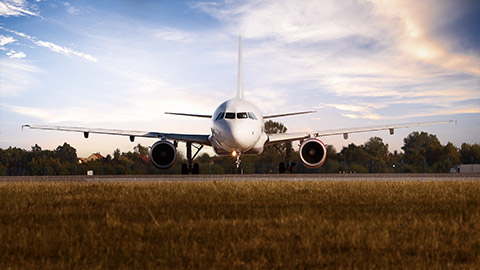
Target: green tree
[379,153]
[66,153]
[274,154]
[356,158]
[420,146]
[274,127]
[142,150]
[469,151]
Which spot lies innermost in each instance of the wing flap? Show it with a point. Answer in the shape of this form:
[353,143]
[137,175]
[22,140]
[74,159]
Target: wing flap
[285,137]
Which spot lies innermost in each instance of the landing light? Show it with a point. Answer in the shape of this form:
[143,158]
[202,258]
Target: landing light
[234,153]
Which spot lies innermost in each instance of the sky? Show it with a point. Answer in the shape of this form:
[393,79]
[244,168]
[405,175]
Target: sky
[123,63]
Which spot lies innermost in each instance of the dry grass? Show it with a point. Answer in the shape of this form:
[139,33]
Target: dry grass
[266,224]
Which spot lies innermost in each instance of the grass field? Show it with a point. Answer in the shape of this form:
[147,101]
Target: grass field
[250,224]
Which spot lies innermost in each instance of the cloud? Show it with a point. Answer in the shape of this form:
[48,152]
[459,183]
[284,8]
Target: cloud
[17,77]
[418,40]
[6,40]
[363,111]
[17,8]
[368,52]
[52,46]
[18,55]
[64,50]
[71,9]
[172,34]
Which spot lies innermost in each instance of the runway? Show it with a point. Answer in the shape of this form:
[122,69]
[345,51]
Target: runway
[249,177]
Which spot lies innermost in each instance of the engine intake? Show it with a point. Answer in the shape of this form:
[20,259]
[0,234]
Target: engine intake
[313,153]
[163,154]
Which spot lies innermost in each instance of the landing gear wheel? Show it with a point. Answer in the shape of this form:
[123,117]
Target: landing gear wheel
[281,167]
[196,169]
[293,168]
[184,168]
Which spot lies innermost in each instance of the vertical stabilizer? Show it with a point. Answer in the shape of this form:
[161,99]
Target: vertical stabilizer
[240,69]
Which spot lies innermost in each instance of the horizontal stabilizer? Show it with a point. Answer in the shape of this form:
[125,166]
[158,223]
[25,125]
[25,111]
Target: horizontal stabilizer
[286,114]
[190,114]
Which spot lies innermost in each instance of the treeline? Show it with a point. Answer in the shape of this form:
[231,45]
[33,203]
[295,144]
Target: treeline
[422,152]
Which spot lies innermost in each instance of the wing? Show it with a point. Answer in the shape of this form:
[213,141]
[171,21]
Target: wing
[195,138]
[284,137]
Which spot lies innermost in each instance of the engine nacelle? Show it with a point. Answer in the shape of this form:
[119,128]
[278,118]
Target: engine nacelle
[313,153]
[163,154]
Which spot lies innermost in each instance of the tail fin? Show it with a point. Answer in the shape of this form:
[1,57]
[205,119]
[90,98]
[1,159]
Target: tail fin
[240,70]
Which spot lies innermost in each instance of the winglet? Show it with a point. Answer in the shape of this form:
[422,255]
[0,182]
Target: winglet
[240,69]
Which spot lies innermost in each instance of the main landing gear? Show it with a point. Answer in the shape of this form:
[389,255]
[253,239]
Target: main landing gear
[195,169]
[288,165]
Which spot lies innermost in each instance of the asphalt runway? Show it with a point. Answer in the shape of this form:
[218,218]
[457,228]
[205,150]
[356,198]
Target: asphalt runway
[250,177]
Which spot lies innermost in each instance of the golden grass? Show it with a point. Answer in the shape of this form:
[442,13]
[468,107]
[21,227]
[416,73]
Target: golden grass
[266,224]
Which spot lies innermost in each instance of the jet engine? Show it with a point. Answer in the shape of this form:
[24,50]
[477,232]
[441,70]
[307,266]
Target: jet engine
[313,153]
[163,154]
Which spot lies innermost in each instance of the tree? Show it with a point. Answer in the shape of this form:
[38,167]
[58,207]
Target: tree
[274,127]
[379,153]
[449,157]
[273,155]
[66,153]
[356,158]
[376,148]
[142,150]
[469,151]
[421,146]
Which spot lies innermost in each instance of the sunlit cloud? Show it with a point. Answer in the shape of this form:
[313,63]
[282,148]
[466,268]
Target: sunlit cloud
[416,41]
[377,50]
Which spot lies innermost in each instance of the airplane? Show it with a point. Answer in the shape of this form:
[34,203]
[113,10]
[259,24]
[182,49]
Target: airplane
[237,129]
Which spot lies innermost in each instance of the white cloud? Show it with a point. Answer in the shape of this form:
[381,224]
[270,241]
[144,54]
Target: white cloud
[52,46]
[17,77]
[6,40]
[18,55]
[71,9]
[364,111]
[64,50]
[172,34]
[17,8]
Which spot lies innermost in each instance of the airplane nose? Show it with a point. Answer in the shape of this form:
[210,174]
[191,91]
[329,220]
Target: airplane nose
[242,137]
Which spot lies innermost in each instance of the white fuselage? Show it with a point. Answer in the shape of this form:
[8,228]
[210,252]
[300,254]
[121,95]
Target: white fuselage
[237,127]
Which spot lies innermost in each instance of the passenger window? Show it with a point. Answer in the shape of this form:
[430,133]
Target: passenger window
[229,115]
[242,115]
[252,116]
[220,116]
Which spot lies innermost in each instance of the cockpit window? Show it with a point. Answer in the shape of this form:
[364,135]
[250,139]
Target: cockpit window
[220,116]
[242,115]
[252,116]
[229,115]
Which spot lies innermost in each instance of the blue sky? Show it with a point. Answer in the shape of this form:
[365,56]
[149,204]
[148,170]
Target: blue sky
[121,64]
